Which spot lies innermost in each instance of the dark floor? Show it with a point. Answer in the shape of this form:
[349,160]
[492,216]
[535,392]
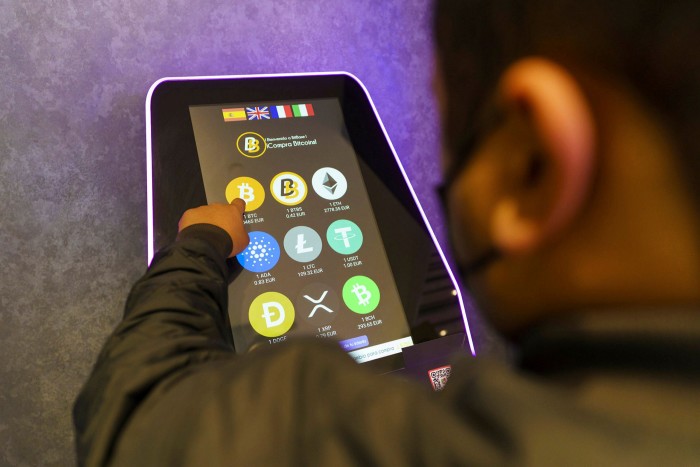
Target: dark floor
[72,159]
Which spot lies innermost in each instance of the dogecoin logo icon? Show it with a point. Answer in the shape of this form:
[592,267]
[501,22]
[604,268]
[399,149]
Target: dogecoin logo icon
[271,314]
[248,189]
[251,145]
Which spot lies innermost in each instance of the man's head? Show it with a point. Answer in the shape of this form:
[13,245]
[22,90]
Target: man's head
[572,129]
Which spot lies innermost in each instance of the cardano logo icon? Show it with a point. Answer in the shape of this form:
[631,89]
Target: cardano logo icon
[262,253]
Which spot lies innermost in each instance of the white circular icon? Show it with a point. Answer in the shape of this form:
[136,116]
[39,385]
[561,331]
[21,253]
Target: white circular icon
[329,183]
[288,188]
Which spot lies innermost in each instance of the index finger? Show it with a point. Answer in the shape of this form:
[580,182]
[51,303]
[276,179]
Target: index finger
[240,204]
[238,235]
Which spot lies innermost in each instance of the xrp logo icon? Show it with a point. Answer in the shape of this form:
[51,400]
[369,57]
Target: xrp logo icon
[318,304]
[248,189]
[251,145]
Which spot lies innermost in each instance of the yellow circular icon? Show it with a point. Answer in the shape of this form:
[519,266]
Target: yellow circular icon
[248,189]
[271,314]
[251,145]
[288,188]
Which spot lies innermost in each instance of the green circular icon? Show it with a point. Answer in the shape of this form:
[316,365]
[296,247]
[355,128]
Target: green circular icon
[361,294]
[271,314]
[344,236]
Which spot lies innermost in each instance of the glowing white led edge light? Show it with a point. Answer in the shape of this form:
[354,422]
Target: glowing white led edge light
[149,170]
[149,175]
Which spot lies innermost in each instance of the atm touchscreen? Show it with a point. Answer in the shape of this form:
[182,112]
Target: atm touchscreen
[329,236]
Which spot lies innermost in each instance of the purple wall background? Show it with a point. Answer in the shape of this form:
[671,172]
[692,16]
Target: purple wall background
[72,159]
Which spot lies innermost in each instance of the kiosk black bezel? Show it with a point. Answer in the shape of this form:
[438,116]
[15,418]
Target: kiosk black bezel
[174,176]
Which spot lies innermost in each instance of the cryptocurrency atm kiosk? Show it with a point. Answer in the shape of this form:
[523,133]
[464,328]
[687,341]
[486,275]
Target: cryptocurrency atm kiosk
[339,245]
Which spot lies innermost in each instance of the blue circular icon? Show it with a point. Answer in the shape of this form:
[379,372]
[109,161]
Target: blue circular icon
[262,253]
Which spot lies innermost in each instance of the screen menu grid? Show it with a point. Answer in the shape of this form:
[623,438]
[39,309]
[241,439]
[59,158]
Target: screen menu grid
[316,263]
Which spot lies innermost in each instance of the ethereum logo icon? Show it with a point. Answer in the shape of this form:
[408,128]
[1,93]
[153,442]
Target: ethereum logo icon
[329,183]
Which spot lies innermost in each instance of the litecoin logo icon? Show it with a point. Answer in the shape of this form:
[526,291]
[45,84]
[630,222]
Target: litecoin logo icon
[303,244]
[329,183]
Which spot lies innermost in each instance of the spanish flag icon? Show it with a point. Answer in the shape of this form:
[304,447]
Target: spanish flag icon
[234,115]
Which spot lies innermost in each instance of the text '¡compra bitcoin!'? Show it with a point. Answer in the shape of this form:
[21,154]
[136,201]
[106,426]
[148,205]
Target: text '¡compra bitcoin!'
[290,141]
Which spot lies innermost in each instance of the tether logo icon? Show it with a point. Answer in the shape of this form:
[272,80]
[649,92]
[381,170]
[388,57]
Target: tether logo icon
[344,236]
[251,144]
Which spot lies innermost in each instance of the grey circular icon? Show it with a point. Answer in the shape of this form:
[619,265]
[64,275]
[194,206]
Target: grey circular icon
[302,244]
[329,183]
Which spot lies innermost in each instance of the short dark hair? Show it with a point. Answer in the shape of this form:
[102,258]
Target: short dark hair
[651,45]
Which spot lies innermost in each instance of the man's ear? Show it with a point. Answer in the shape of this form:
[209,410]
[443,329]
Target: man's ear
[554,108]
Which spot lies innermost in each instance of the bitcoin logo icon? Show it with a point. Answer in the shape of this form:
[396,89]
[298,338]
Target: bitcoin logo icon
[251,144]
[248,189]
[245,192]
[361,294]
[288,188]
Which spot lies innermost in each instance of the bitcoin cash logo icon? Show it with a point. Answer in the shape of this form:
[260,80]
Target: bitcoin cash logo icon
[248,189]
[288,188]
[361,294]
[251,144]
[271,314]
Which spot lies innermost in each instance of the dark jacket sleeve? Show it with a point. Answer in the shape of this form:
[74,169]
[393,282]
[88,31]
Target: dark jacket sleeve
[168,389]
[176,315]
